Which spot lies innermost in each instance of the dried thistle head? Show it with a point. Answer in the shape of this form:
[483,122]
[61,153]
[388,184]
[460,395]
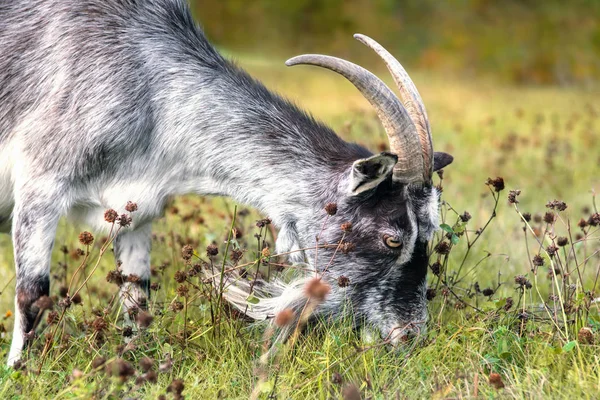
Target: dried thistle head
[86,238]
[317,289]
[284,317]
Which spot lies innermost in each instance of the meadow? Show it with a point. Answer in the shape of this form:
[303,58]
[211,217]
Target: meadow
[511,312]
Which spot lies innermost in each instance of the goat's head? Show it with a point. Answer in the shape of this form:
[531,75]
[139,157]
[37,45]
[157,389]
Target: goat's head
[391,203]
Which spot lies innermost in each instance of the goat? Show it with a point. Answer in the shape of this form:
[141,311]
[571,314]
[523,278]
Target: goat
[105,101]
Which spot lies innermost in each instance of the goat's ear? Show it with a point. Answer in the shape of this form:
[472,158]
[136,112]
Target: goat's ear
[441,160]
[367,173]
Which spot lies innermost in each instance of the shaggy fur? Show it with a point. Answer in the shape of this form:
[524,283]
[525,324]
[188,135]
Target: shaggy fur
[105,101]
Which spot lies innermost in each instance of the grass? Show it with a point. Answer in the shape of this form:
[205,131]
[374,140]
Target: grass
[543,141]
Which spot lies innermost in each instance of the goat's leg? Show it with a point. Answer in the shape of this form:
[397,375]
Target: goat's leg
[35,218]
[132,250]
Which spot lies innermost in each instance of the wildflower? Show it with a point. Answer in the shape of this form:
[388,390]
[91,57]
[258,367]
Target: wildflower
[317,289]
[562,241]
[346,227]
[497,183]
[512,196]
[496,380]
[284,317]
[331,208]
[549,217]
[86,238]
[131,206]
[110,216]
[522,281]
[212,250]
[343,281]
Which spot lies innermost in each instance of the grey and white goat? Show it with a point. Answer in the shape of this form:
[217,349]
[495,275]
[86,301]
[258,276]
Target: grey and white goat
[105,101]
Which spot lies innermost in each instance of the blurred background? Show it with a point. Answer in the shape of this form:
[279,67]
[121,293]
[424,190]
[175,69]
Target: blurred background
[521,41]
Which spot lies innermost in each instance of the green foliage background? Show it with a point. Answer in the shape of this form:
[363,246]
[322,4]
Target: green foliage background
[520,41]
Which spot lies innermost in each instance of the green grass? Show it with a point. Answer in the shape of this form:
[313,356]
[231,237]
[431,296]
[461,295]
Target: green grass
[543,141]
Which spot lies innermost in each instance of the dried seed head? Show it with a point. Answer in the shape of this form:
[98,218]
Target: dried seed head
[176,387]
[86,238]
[497,183]
[331,208]
[562,241]
[76,299]
[557,205]
[488,292]
[431,293]
[212,250]
[346,227]
[549,217]
[98,361]
[442,247]
[465,217]
[512,196]
[131,206]
[351,392]
[317,289]
[133,278]
[336,378]
[144,319]
[527,216]
[52,318]
[155,286]
[284,317]
[183,290]
[180,276]
[99,324]
[585,335]
[127,331]
[115,276]
[343,281]
[266,252]
[582,223]
[436,268]
[124,220]
[594,219]
[236,255]
[552,249]
[509,303]
[176,306]
[110,216]
[121,369]
[347,247]
[538,260]
[496,381]
[263,222]
[44,303]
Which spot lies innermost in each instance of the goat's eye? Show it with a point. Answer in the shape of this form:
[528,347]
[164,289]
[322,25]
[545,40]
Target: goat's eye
[391,241]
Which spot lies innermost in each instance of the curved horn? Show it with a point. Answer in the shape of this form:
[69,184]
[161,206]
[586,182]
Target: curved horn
[401,131]
[410,98]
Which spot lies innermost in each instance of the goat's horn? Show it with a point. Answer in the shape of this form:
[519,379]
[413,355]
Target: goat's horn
[410,99]
[401,131]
